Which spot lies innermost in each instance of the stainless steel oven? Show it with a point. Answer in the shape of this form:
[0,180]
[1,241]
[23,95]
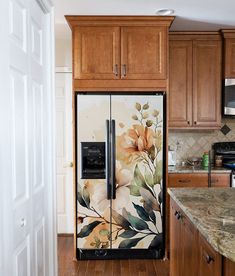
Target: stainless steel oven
[229,97]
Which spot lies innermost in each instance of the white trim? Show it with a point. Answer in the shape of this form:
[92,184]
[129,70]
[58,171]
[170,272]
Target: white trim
[52,216]
[63,69]
[46,5]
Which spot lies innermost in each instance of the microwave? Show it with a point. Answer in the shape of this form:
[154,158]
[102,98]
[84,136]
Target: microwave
[229,97]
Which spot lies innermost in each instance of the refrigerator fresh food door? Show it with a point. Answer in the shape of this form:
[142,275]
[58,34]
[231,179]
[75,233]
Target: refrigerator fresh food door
[93,187]
[137,210]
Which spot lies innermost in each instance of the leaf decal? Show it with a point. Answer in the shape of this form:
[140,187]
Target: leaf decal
[120,220]
[104,232]
[135,222]
[157,242]
[158,173]
[149,179]
[134,190]
[145,106]
[149,199]
[80,198]
[141,212]
[86,197]
[138,106]
[138,177]
[152,216]
[160,197]
[128,234]
[129,243]
[87,229]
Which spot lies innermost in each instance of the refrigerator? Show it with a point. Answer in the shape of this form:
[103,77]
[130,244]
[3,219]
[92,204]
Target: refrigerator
[120,175]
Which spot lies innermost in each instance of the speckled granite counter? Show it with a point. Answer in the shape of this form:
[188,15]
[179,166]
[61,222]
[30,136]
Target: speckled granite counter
[212,211]
[191,169]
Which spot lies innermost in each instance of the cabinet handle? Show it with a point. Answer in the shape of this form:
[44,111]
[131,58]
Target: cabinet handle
[178,215]
[115,70]
[209,259]
[184,180]
[124,70]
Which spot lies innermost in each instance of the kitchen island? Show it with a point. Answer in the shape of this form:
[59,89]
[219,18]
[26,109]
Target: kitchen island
[202,231]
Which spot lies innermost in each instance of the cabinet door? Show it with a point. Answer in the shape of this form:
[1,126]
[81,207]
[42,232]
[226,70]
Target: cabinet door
[230,58]
[210,262]
[143,52]
[189,240]
[206,83]
[176,252]
[180,83]
[96,52]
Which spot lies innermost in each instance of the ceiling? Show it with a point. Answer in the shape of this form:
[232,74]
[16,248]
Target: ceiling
[197,15]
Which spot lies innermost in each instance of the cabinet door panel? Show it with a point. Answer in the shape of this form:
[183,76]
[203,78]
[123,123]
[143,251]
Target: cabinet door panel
[206,82]
[180,84]
[143,52]
[96,52]
[220,180]
[230,58]
[210,262]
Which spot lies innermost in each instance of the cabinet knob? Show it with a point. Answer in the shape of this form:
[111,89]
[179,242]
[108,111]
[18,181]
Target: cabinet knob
[123,70]
[188,123]
[115,70]
[195,122]
[178,215]
[209,259]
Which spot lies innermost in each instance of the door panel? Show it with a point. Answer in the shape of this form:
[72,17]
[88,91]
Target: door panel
[143,52]
[137,209]
[180,72]
[96,52]
[206,83]
[93,207]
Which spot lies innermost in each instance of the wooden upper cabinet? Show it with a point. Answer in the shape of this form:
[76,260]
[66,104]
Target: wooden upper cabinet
[229,53]
[206,83]
[120,51]
[180,84]
[143,52]
[195,80]
[96,52]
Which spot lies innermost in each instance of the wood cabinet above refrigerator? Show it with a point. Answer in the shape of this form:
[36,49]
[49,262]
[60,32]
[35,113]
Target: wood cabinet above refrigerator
[120,51]
[195,80]
[229,53]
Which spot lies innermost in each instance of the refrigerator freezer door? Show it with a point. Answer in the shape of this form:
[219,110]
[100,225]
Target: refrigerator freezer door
[137,211]
[93,207]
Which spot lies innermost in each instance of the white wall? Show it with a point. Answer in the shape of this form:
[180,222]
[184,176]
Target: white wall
[63,52]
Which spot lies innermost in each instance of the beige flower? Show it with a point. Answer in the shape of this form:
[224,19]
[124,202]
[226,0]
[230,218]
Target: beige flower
[123,180]
[139,138]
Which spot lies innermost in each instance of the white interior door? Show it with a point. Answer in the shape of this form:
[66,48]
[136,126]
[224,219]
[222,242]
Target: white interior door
[27,144]
[64,171]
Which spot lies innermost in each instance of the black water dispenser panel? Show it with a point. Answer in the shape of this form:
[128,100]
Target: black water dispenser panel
[93,160]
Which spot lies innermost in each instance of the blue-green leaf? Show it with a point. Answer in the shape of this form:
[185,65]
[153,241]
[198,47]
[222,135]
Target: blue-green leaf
[141,212]
[87,229]
[129,243]
[128,234]
[135,222]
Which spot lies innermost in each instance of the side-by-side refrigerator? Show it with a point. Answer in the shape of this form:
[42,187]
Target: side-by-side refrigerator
[120,175]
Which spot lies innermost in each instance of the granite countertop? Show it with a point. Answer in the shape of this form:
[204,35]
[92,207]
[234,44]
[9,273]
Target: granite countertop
[212,211]
[196,169]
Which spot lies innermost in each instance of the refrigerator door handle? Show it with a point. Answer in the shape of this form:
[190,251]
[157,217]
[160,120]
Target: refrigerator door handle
[107,160]
[113,159]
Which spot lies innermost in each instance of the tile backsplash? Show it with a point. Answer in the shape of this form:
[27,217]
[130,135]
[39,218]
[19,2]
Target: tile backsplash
[187,144]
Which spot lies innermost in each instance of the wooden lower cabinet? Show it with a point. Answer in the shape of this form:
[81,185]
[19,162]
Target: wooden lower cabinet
[210,262]
[190,253]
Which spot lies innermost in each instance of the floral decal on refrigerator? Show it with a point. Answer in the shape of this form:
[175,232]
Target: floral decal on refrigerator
[138,203]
